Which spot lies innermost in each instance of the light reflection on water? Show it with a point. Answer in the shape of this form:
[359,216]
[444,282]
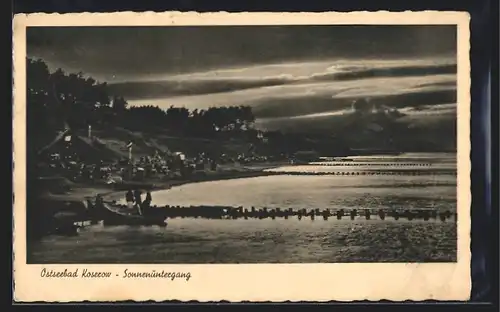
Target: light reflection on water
[334,192]
[256,241]
[436,191]
[250,241]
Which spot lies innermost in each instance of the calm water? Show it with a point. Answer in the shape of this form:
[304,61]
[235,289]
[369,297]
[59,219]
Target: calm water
[226,241]
[428,190]
[438,192]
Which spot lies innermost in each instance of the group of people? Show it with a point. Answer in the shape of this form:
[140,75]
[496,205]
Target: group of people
[134,200]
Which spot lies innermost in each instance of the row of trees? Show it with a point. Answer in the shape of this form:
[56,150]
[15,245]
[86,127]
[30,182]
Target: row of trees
[58,99]
[196,123]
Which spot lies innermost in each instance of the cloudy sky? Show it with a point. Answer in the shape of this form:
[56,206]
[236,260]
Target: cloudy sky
[286,73]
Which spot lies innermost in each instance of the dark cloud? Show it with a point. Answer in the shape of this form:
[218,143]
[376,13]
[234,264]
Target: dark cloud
[439,84]
[131,51]
[159,89]
[298,106]
[396,71]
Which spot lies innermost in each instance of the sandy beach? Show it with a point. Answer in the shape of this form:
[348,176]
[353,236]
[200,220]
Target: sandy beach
[225,172]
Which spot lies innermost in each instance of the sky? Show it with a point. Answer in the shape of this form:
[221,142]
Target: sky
[286,73]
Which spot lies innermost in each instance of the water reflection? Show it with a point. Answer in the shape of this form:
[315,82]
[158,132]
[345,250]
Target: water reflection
[324,192]
[255,241]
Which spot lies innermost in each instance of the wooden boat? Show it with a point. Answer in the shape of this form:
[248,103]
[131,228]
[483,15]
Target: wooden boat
[119,215]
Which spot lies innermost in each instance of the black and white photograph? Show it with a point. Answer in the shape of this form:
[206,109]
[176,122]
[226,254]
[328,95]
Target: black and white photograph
[241,144]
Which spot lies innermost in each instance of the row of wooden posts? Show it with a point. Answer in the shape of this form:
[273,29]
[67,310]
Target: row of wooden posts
[215,212]
[334,164]
[405,172]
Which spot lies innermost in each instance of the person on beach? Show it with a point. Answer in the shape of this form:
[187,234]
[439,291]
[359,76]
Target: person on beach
[146,204]
[138,200]
[129,197]
[99,200]
[149,197]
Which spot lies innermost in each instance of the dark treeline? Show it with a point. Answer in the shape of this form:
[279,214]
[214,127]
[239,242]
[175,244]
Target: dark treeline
[179,121]
[58,99]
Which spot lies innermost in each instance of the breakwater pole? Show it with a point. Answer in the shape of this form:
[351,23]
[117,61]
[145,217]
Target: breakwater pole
[373,172]
[233,213]
[366,169]
[70,226]
[372,164]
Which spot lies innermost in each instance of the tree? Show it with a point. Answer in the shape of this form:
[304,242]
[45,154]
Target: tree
[57,98]
[119,104]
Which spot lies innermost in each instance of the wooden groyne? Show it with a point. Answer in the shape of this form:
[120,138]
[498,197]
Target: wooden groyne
[404,172]
[222,212]
[372,164]
[69,223]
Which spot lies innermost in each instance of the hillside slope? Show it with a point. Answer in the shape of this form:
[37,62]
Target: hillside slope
[113,141]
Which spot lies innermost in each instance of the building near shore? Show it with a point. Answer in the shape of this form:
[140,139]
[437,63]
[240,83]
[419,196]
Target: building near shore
[67,145]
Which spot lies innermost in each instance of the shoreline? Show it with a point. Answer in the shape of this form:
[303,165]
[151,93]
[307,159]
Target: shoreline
[245,172]
[117,192]
[242,172]
[82,192]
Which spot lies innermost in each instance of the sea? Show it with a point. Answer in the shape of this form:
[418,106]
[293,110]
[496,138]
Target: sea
[409,181]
